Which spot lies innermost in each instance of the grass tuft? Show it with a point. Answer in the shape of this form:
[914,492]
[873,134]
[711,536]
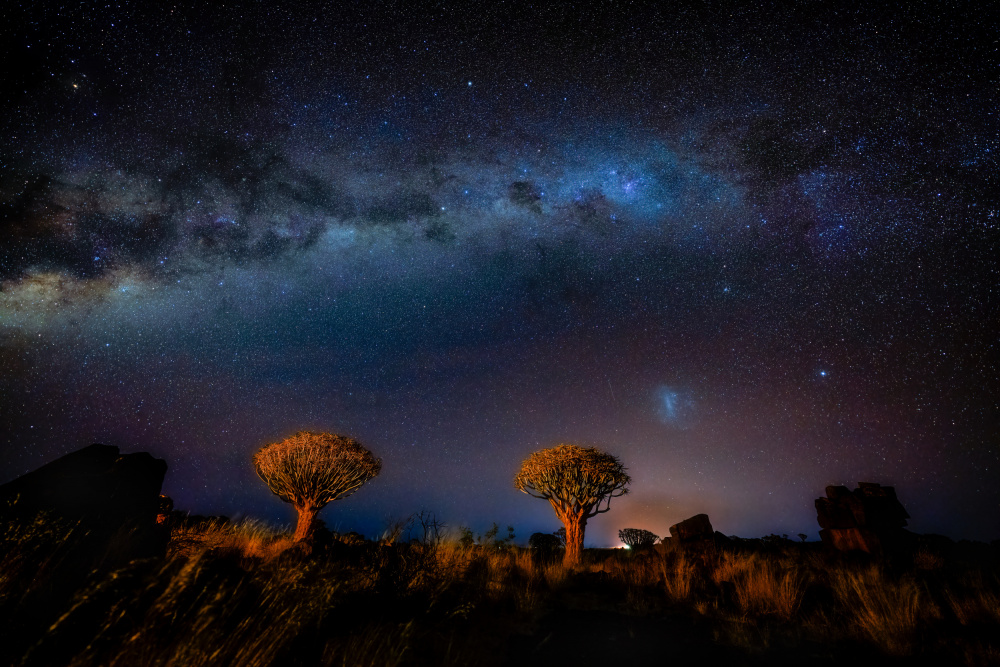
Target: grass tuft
[884,610]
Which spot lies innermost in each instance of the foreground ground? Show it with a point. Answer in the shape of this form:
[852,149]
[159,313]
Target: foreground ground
[242,595]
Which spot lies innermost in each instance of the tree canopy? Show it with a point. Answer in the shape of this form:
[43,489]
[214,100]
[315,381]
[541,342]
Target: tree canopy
[574,479]
[310,470]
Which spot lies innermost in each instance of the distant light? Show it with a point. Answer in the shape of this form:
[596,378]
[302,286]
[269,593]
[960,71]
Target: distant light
[822,374]
[625,546]
[470,83]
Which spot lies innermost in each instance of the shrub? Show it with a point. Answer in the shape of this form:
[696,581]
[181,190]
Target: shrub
[637,538]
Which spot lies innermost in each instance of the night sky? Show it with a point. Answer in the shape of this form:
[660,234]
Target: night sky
[750,251]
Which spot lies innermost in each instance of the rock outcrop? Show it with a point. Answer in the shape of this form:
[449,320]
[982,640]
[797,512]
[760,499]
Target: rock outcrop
[869,519]
[113,498]
[696,528]
[690,534]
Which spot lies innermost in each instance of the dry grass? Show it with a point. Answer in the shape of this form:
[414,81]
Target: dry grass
[195,613]
[252,539]
[884,610]
[237,594]
[678,578]
[981,654]
[224,598]
[927,560]
[975,600]
[29,550]
[756,598]
[630,570]
[762,586]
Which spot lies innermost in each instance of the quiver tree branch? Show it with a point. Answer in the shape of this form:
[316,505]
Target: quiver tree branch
[576,481]
[310,470]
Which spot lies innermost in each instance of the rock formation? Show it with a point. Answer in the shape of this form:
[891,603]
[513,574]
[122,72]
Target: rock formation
[697,527]
[870,518]
[113,498]
[694,534]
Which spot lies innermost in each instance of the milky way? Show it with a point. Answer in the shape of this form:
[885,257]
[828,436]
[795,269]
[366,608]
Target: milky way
[749,251]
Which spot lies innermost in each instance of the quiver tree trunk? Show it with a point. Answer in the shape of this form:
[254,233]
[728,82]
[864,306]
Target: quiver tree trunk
[306,527]
[575,527]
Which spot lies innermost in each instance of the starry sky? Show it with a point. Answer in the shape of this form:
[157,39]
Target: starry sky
[751,251]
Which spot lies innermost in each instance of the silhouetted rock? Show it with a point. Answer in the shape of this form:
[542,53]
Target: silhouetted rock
[114,497]
[694,533]
[697,527]
[869,519]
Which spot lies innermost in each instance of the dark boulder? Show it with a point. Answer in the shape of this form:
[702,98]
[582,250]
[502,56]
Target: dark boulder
[869,518]
[113,498]
[694,534]
[696,528]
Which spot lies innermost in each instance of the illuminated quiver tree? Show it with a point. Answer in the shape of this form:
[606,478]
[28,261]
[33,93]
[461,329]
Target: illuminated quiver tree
[579,483]
[310,470]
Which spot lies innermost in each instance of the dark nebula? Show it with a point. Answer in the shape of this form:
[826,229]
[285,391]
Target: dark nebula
[751,251]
